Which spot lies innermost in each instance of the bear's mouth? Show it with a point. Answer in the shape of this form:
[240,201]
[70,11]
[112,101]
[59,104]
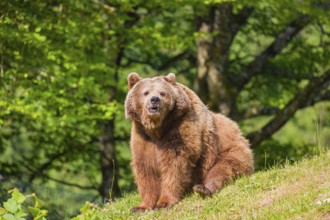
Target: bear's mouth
[154,110]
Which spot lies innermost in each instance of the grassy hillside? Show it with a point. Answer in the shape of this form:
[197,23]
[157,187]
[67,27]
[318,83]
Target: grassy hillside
[299,191]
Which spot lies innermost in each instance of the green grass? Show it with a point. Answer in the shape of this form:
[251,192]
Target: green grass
[293,191]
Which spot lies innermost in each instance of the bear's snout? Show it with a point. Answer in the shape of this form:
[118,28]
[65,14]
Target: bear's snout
[154,105]
[155,101]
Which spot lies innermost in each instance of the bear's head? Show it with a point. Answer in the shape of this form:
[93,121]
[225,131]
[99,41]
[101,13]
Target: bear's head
[151,100]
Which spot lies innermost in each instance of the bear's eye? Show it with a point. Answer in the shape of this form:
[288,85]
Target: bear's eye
[146,93]
[162,93]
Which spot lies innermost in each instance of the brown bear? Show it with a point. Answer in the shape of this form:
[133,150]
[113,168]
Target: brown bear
[178,144]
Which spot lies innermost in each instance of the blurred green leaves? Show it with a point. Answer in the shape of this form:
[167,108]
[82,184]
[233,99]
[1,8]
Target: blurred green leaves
[56,80]
[63,69]
[14,208]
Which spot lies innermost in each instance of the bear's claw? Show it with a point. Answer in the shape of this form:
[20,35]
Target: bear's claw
[139,209]
[202,190]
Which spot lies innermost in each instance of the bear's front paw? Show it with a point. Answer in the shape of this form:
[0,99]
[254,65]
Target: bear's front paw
[166,202]
[140,208]
[202,190]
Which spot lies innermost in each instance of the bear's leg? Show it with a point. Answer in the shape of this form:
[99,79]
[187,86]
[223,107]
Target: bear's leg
[216,178]
[176,177]
[231,165]
[149,189]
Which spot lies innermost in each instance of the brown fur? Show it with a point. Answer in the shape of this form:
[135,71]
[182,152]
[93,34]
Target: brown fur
[177,143]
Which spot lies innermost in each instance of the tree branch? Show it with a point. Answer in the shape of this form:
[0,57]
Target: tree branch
[306,95]
[241,18]
[172,60]
[324,96]
[144,62]
[46,165]
[69,184]
[254,112]
[168,63]
[282,73]
[281,41]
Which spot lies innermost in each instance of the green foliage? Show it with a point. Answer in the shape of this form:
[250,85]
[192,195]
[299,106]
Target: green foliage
[307,133]
[63,69]
[273,153]
[13,208]
[88,212]
[305,57]
[57,77]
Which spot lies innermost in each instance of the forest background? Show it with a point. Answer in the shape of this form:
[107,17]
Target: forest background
[63,69]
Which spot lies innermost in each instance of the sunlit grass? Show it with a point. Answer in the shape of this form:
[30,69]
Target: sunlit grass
[285,192]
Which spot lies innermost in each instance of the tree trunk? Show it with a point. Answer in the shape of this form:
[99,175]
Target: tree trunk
[109,188]
[216,36]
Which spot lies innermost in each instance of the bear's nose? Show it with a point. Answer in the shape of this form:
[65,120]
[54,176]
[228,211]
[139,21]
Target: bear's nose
[155,100]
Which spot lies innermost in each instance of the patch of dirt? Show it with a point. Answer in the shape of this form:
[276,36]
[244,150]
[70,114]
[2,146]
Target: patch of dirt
[291,188]
[280,192]
[326,216]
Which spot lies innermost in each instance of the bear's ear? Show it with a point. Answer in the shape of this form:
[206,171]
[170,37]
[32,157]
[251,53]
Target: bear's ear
[182,102]
[132,79]
[130,108]
[170,78]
